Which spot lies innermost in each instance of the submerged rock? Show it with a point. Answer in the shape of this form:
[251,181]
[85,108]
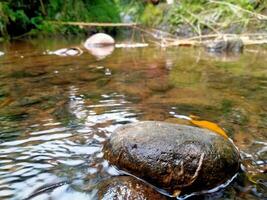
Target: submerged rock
[173,157]
[225,44]
[127,188]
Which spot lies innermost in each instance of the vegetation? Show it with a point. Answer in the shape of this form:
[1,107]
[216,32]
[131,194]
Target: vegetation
[228,16]
[184,18]
[197,17]
[18,17]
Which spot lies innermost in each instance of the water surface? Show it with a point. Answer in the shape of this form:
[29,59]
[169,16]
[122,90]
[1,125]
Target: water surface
[56,112]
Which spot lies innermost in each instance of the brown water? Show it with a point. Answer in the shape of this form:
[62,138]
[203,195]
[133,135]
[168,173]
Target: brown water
[55,112]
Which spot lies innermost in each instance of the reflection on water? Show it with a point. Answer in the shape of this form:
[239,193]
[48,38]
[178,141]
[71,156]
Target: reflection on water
[56,112]
[100,52]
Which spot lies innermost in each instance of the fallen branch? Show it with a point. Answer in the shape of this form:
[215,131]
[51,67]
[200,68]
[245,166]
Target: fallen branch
[170,40]
[209,38]
[131,45]
[254,42]
[94,24]
[182,43]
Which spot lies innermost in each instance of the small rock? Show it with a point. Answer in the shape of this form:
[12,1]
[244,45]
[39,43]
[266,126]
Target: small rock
[2,53]
[225,44]
[173,157]
[184,30]
[127,188]
[66,52]
[160,84]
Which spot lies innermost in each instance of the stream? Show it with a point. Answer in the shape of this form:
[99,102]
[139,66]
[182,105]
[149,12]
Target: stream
[56,112]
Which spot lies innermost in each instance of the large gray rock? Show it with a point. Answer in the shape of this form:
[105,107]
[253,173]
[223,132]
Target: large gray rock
[173,157]
[127,188]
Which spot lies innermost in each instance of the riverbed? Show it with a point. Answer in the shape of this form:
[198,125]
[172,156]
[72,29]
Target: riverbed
[57,111]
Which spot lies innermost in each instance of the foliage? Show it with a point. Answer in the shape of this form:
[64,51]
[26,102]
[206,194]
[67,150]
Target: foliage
[3,19]
[230,16]
[21,16]
[151,16]
[198,17]
[203,16]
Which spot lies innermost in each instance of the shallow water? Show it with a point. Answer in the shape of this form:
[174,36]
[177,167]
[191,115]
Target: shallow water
[55,112]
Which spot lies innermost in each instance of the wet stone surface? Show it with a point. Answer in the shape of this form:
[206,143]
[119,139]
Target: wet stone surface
[172,156]
[127,188]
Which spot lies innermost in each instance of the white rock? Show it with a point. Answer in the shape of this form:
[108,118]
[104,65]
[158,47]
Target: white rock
[72,52]
[66,52]
[99,39]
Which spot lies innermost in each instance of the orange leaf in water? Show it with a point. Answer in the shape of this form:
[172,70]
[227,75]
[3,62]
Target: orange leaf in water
[6,102]
[209,125]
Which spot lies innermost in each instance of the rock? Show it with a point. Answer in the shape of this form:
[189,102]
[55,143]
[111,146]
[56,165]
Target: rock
[159,84]
[173,157]
[100,45]
[184,30]
[2,53]
[66,52]
[127,188]
[99,39]
[225,44]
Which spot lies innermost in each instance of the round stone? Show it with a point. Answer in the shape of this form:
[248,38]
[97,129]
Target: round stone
[173,157]
[99,39]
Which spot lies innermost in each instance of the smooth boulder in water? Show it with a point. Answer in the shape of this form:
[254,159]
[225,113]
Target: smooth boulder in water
[173,157]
